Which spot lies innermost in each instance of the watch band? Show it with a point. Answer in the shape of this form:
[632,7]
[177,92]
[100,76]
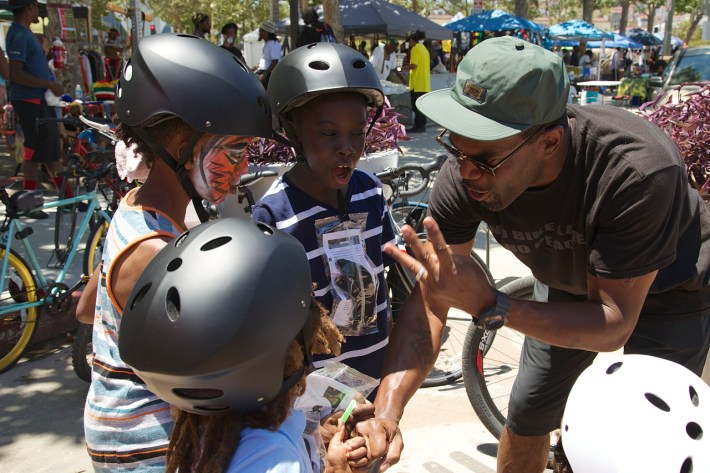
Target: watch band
[496,316]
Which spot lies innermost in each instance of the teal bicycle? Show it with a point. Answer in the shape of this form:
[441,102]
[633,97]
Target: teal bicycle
[25,286]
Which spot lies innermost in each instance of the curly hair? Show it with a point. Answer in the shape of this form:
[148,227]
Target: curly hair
[207,443]
[163,132]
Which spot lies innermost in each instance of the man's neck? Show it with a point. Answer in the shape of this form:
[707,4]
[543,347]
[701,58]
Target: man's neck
[23,20]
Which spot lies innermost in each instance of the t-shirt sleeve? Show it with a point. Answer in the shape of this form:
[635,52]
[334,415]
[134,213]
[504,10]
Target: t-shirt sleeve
[451,207]
[16,47]
[636,231]
[272,51]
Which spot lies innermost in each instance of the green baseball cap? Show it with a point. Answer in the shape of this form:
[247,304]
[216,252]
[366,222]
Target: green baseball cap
[503,86]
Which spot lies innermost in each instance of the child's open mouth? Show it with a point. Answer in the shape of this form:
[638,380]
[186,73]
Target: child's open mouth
[342,174]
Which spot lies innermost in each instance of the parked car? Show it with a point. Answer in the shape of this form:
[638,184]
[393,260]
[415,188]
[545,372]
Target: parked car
[686,65]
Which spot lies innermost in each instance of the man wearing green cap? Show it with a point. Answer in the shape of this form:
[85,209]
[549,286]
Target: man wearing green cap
[594,200]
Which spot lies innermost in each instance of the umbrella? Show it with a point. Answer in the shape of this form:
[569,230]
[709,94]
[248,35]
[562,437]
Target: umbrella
[379,16]
[619,41]
[493,20]
[643,37]
[578,30]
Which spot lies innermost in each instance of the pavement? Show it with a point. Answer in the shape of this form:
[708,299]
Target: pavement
[41,425]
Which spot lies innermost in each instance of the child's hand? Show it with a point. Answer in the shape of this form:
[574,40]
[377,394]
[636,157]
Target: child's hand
[340,450]
[329,424]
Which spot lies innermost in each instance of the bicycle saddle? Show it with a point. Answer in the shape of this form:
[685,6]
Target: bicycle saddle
[26,200]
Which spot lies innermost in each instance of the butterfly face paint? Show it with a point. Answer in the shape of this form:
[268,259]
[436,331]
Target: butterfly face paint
[219,162]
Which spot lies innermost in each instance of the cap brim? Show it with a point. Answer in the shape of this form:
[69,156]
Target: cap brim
[441,107]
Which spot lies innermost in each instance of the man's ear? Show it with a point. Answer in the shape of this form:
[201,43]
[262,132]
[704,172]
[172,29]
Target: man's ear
[552,140]
[182,148]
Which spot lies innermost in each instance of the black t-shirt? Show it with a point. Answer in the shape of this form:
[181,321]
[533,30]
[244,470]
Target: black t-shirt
[235,51]
[315,33]
[621,207]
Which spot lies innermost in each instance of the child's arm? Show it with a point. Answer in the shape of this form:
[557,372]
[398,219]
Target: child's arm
[86,307]
[341,452]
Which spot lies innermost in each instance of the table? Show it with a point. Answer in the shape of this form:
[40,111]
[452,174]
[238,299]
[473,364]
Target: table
[599,83]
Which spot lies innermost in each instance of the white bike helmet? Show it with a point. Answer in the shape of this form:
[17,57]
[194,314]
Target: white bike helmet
[209,322]
[637,414]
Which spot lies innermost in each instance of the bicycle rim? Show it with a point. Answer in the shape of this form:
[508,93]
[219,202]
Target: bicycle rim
[16,326]
[95,247]
[491,362]
[448,366]
[410,214]
[65,219]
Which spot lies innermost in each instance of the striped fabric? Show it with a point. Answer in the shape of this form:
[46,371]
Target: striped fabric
[126,426]
[286,207]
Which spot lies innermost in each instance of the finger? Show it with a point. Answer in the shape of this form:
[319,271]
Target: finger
[405,260]
[394,452]
[439,246]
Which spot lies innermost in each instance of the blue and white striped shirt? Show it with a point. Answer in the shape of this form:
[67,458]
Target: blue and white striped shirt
[293,211]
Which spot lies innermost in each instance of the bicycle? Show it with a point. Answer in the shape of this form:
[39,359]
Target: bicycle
[448,366]
[491,361]
[25,288]
[82,346]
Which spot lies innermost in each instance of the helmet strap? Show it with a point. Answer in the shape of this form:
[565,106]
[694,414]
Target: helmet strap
[178,167]
[378,112]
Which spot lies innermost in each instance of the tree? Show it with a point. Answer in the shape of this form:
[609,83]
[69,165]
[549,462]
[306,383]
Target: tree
[331,12]
[521,8]
[649,7]
[624,16]
[691,7]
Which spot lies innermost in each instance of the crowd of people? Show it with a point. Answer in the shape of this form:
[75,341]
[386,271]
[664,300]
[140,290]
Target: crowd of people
[569,190]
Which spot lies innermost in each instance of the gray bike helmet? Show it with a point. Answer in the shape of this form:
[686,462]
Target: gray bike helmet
[190,78]
[210,320]
[321,68]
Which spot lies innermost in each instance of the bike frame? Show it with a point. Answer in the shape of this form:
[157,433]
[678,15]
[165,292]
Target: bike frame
[17,227]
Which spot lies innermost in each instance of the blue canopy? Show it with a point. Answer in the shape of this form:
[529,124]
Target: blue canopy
[493,20]
[676,42]
[619,41]
[578,30]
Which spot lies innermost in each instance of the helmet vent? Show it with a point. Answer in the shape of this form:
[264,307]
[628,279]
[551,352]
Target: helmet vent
[172,304]
[694,430]
[359,64]
[614,367]
[265,229]
[216,243]
[144,290]
[180,239]
[191,393]
[658,402]
[240,64]
[174,264]
[212,408]
[694,398]
[687,466]
[319,65]
[128,72]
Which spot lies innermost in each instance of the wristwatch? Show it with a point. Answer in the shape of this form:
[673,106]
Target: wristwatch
[495,316]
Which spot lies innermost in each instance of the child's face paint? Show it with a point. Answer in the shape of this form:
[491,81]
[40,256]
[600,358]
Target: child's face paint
[218,164]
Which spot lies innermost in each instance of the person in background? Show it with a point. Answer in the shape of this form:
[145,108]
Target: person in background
[384,60]
[113,50]
[419,77]
[229,33]
[271,54]
[31,78]
[574,57]
[314,30]
[362,49]
[202,23]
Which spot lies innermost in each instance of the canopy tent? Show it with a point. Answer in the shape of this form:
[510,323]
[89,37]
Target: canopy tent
[493,20]
[676,42]
[619,41]
[361,17]
[578,30]
[643,37]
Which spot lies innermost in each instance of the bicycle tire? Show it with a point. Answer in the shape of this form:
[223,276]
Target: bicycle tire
[65,219]
[94,247]
[16,328]
[82,352]
[410,214]
[448,367]
[490,364]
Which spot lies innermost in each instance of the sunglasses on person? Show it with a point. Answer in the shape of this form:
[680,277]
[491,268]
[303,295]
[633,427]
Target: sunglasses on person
[486,168]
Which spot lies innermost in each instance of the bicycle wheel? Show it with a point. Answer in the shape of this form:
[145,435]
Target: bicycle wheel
[448,366]
[490,364]
[82,352]
[65,218]
[16,326]
[94,247]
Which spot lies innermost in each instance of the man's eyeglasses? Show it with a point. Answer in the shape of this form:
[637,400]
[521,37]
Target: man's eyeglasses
[461,156]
